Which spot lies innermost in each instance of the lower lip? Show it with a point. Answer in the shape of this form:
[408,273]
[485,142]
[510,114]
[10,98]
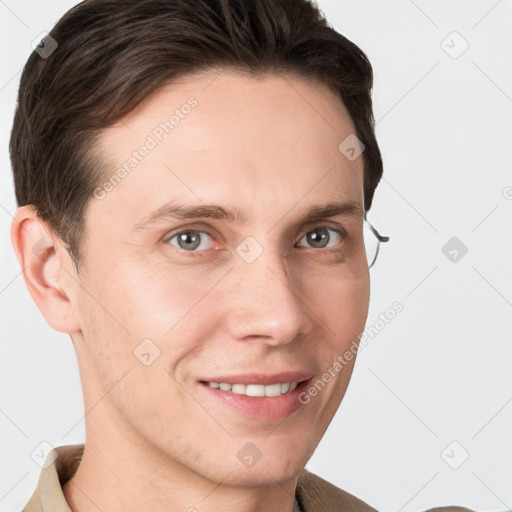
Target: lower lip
[260,407]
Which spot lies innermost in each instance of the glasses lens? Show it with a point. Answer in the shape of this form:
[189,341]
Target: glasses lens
[371,244]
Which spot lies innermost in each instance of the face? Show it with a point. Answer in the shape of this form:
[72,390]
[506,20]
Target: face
[248,290]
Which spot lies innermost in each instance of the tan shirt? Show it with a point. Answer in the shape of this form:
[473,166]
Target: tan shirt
[313,494]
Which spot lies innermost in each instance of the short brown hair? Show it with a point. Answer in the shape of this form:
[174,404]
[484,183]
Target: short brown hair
[112,54]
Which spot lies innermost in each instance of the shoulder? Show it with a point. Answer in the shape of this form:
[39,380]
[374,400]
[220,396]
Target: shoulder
[316,494]
[452,508]
[59,466]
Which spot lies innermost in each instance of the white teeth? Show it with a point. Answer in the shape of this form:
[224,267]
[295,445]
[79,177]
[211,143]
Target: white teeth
[255,389]
[239,389]
[273,389]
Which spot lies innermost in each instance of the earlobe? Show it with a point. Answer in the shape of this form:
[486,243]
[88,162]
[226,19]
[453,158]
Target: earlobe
[42,258]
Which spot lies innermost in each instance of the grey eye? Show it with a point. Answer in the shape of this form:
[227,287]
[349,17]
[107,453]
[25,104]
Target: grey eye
[320,237]
[190,240]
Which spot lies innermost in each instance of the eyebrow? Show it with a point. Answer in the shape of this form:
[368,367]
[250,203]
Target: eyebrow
[173,211]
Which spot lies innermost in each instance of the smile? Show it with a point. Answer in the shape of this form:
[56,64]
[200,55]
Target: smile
[259,402]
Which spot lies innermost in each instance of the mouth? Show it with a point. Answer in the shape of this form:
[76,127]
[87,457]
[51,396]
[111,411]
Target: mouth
[254,399]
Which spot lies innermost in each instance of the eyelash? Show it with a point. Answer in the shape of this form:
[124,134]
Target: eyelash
[340,232]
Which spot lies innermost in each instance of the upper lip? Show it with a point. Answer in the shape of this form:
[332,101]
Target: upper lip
[261,378]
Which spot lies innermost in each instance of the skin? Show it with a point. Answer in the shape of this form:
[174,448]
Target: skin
[154,440]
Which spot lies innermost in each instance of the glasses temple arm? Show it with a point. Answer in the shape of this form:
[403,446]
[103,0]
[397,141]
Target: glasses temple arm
[380,237]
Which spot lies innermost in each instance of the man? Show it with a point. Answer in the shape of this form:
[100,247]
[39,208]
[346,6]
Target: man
[193,180]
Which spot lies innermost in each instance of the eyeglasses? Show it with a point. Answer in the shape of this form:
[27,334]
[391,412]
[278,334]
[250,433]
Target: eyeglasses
[372,241]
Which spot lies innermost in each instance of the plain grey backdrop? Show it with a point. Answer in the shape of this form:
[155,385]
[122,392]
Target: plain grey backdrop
[427,418]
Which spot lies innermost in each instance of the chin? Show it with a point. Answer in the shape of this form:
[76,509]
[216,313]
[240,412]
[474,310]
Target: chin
[263,474]
[269,467]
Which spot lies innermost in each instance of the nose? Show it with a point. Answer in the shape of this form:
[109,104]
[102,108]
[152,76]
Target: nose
[266,304]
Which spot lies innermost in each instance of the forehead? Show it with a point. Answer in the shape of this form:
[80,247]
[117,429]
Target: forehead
[226,137]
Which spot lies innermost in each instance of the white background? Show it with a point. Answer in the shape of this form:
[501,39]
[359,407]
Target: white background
[440,371]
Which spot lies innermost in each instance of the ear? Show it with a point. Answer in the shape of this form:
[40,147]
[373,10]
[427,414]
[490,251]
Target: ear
[47,269]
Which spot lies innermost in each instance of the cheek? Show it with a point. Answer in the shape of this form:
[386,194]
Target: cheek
[342,304]
[146,300]
[135,302]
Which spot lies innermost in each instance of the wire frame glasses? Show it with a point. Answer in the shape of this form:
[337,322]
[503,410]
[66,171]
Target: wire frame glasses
[372,241]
